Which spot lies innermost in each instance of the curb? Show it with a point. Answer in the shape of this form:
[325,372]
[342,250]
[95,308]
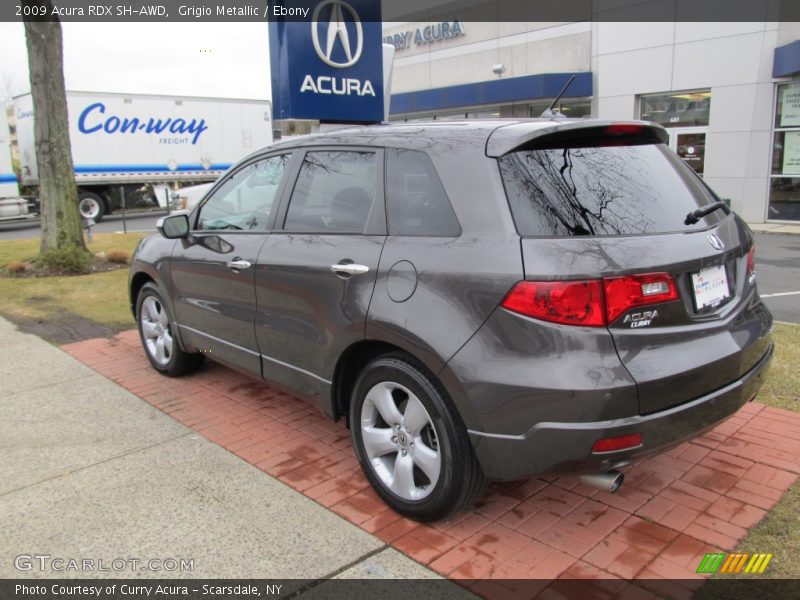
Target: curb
[775,228]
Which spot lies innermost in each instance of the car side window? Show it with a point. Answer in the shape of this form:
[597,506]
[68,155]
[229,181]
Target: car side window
[334,193]
[416,201]
[245,201]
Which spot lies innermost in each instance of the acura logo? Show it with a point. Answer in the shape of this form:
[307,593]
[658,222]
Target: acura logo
[337,31]
[714,240]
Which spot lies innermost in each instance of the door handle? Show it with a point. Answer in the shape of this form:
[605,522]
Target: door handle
[239,264]
[349,269]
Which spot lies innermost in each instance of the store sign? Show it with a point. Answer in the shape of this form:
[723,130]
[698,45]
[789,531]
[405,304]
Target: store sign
[331,67]
[790,105]
[428,34]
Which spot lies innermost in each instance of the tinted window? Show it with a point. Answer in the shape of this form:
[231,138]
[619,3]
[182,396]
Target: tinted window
[416,200]
[334,193]
[245,200]
[610,190]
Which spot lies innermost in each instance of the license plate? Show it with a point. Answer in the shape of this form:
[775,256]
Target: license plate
[710,287]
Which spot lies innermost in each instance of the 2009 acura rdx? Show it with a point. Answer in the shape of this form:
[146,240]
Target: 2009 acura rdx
[481,300]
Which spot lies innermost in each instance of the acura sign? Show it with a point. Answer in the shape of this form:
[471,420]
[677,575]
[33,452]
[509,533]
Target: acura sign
[329,68]
[337,30]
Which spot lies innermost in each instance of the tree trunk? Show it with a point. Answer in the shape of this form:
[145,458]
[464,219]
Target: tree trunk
[61,223]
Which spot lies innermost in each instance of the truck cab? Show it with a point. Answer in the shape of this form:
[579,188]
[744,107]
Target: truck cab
[12,206]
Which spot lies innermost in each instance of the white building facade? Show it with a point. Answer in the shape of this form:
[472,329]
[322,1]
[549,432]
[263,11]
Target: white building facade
[728,93]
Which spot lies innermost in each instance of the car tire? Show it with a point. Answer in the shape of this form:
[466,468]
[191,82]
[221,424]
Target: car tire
[91,206]
[156,328]
[411,442]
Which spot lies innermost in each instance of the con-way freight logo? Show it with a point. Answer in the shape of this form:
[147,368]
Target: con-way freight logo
[734,564]
[94,119]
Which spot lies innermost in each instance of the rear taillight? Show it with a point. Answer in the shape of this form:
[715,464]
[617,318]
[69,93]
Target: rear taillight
[568,302]
[751,263]
[591,303]
[625,293]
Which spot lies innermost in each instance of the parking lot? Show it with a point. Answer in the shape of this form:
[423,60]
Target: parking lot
[134,222]
[778,272]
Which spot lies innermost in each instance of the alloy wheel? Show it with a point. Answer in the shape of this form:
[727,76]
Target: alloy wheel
[155,330]
[400,441]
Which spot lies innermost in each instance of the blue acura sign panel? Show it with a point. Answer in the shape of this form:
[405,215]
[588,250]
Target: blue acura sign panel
[330,68]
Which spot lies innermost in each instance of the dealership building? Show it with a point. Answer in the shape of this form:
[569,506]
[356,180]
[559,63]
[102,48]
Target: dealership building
[728,93]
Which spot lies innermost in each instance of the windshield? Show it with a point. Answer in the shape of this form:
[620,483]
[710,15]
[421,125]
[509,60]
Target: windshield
[602,191]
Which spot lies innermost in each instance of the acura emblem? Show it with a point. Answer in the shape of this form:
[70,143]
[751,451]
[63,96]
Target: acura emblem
[714,240]
[337,30]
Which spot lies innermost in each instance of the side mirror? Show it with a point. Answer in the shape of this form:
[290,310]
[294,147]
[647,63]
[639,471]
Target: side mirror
[173,226]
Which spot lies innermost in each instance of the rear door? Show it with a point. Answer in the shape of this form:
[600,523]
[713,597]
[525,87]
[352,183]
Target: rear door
[316,272]
[681,301]
[213,271]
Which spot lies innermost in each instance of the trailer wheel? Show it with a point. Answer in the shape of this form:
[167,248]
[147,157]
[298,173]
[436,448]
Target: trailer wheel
[91,206]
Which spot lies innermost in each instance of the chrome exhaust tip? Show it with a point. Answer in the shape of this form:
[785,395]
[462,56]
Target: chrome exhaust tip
[609,482]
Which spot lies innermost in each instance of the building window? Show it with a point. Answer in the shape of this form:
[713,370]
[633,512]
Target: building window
[784,189]
[677,109]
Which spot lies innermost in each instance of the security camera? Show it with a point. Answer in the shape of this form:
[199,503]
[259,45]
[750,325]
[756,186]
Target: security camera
[498,69]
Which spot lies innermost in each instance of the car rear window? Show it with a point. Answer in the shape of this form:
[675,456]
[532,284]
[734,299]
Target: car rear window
[602,191]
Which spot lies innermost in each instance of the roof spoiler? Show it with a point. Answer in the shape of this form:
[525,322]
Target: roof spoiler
[519,136]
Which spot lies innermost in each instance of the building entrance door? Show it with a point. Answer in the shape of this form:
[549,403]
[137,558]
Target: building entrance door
[690,144]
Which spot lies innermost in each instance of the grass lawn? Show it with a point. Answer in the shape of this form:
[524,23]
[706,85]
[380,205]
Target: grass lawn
[782,388]
[100,297]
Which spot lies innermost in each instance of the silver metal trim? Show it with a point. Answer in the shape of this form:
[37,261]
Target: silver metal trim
[715,241]
[294,368]
[608,482]
[239,264]
[265,357]
[499,436]
[350,269]
[216,339]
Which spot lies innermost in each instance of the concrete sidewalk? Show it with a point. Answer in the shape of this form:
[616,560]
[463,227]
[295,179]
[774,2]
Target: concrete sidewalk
[90,471]
[775,228]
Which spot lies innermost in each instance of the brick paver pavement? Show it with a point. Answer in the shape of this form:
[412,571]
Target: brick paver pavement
[700,497]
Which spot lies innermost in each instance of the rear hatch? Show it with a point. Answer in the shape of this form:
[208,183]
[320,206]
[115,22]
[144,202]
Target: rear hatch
[608,204]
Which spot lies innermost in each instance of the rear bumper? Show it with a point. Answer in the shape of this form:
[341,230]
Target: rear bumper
[550,447]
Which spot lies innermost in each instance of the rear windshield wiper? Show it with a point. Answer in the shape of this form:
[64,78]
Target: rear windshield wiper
[694,217]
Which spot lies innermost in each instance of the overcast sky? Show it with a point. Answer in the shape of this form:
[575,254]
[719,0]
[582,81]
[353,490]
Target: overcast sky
[226,60]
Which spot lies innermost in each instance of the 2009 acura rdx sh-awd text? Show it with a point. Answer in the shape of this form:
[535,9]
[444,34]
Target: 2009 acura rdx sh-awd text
[481,300]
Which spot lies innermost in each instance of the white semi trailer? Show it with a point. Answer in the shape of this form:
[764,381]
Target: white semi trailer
[126,141]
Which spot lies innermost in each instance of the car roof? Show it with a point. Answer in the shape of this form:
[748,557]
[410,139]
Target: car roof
[497,136]
[408,134]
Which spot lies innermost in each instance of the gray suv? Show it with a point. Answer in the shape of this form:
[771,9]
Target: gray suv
[480,300]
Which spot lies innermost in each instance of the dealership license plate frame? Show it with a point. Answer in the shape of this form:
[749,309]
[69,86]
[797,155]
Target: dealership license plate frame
[716,293]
